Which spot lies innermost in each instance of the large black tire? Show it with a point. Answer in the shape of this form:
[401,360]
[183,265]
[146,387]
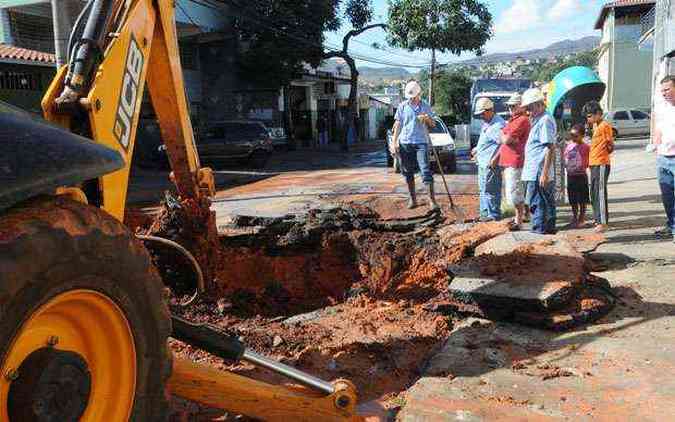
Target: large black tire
[53,245]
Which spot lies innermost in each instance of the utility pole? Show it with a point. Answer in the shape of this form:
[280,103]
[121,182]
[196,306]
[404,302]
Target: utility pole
[431,77]
[64,13]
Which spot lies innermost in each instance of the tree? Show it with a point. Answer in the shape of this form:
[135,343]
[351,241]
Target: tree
[442,26]
[358,13]
[451,90]
[548,71]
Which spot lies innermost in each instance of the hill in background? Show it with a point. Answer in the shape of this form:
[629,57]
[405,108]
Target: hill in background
[560,48]
[374,74]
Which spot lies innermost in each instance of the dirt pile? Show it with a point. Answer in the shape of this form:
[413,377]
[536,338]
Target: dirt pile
[380,346]
[340,293]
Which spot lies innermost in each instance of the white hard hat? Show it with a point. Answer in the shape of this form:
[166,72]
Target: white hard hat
[483,104]
[412,89]
[516,99]
[531,96]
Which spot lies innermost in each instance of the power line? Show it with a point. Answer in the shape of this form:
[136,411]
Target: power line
[282,32]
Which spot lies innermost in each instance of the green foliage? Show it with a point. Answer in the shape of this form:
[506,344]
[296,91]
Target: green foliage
[359,12]
[280,35]
[547,71]
[444,25]
[451,92]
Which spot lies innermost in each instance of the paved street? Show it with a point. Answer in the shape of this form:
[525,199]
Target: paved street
[303,180]
[296,181]
[617,369]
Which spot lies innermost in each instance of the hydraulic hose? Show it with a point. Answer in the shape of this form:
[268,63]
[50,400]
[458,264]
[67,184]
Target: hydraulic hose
[91,40]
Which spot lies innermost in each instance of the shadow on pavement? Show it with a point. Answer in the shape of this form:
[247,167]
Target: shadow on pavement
[654,199]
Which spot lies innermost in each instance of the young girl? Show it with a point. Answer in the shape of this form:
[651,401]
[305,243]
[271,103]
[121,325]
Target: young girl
[576,162]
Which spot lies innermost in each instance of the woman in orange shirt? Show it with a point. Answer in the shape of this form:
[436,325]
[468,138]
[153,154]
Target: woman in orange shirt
[602,146]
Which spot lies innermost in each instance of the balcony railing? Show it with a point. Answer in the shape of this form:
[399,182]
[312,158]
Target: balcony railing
[647,22]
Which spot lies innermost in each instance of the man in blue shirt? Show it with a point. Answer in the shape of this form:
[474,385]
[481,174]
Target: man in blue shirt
[411,139]
[538,172]
[489,173]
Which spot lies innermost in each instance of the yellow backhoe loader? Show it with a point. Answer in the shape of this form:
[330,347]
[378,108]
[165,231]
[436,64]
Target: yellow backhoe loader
[83,315]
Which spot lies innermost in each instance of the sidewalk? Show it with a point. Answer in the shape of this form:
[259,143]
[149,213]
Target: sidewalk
[620,368]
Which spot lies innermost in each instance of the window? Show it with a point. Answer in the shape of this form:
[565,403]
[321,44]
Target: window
[32,31]
[621,115]
[639,115]
[439,128]
[21,80]
[189,56]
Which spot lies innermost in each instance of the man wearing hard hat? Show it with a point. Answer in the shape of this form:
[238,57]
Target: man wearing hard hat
[538,171]
[413,120]
[489,173]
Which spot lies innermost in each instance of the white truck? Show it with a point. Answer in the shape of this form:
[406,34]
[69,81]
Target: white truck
[498,90]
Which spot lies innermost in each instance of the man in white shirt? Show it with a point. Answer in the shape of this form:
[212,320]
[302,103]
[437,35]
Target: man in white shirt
[664,140]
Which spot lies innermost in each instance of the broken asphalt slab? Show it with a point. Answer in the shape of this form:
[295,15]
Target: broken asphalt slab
[539,280]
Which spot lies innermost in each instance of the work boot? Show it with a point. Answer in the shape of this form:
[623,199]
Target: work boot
[433,206]
[412,201]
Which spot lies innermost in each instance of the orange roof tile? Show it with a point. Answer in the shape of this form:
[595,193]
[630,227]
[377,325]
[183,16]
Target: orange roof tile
[24,54]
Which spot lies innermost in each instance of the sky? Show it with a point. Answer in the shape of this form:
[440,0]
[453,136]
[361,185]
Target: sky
[518,25]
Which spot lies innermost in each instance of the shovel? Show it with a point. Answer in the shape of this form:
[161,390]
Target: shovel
[459,213]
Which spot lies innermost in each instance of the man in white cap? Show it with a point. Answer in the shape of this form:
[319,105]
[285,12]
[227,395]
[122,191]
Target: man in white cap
[511,156]
[413,120]
[489,173]
[538,172]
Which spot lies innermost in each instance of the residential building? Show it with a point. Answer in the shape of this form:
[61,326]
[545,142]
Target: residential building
[28,24]
[625,68]
[24,75]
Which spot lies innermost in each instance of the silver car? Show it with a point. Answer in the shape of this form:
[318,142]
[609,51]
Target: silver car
[629,122]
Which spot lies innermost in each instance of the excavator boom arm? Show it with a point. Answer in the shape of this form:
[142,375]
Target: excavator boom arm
[143,47]
[99,94]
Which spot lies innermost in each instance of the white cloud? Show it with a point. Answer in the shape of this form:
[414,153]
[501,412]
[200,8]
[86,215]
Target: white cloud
[522,15]
[564,9]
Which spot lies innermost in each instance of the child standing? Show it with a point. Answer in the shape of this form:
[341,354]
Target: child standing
[602,145]
[576,162]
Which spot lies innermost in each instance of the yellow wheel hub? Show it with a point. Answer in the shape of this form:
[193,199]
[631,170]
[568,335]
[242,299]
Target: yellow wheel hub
[90,324]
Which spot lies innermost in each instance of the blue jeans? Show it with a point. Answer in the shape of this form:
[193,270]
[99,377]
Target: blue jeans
[542,206]
[490,190]
[665,167]
[414,156]
[323,138]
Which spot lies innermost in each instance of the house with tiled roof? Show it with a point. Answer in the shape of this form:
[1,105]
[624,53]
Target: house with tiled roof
[622,65]
[27,40]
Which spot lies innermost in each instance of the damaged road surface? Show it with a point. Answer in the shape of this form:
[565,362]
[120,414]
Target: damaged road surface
[344,293]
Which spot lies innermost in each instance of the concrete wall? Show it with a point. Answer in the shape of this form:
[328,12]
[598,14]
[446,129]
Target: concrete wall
[209,19]
[625,68]
[5,28]
[606,58]
[632,69]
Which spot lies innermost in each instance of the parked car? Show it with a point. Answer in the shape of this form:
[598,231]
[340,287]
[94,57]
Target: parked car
[443,143]
[629,122]
[279,138]
[235,141]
